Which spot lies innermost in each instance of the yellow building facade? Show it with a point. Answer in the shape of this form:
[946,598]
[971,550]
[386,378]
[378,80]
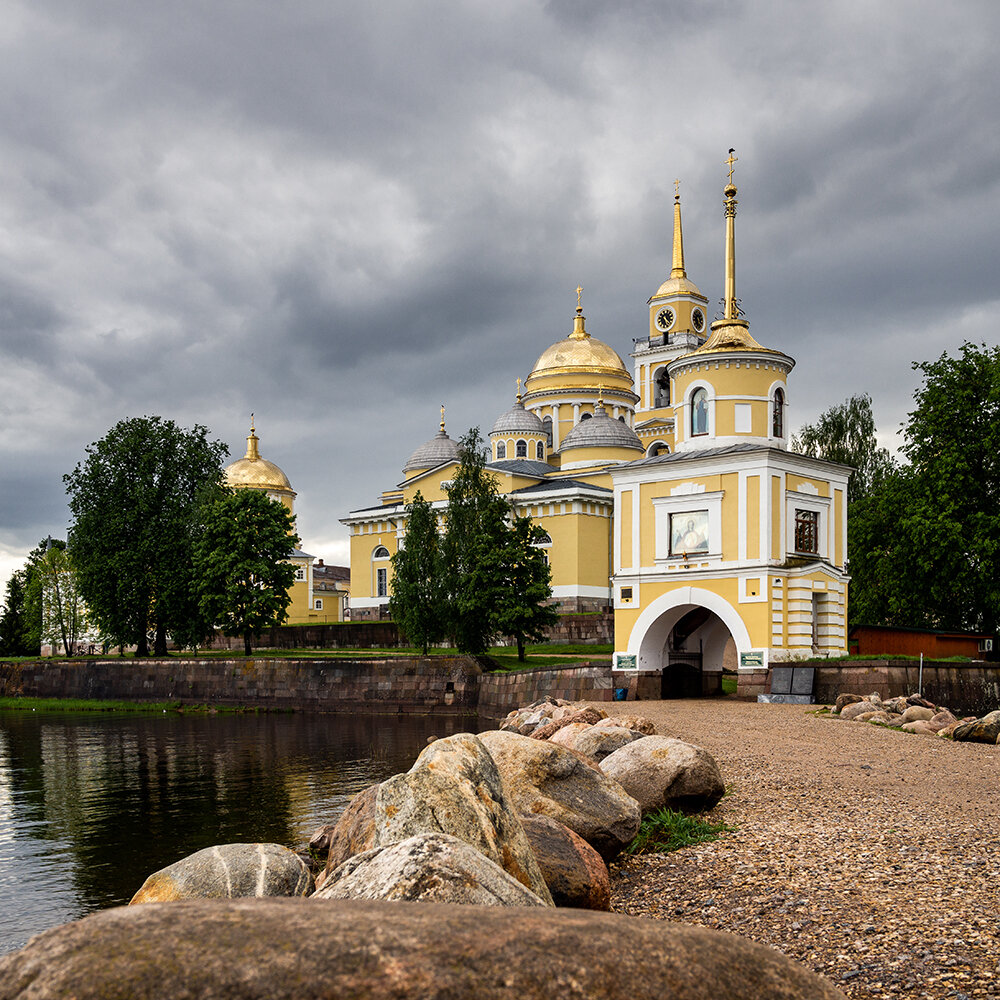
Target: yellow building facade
[254,472]
[668,493]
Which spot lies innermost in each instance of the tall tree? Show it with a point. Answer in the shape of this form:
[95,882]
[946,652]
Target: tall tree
[13,616]
[847,434]
[522,612]
[952,520]
[241,562]
[64,613]
[473,547]
[133,501]
[419,592]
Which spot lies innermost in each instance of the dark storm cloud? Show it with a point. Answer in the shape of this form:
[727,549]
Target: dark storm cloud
[340,216]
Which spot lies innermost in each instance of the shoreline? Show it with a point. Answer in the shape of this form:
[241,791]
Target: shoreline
[869,855]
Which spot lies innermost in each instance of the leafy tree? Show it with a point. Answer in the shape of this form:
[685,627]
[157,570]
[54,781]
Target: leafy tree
[846,434]
[419,590]
[134,501]
[240,560]
[13,616]
[522,612]
[64,613]
[473,548]
[952,519]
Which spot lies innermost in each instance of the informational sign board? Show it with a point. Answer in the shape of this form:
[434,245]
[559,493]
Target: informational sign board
[752,658]
[626,661]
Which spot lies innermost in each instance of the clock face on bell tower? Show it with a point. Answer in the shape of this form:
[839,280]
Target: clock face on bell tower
[664,319]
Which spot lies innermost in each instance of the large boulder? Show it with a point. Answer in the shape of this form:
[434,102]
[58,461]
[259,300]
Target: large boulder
[598,742]
[566,737]
[566,716]
[857,708]
[454,787]
[430,867]
[574,872]
[916,713]
[545,779]
[360,950]
[660,771]
[528,718]
[229,871]
[637,723]
[984,730]
[843,700]
[354,832]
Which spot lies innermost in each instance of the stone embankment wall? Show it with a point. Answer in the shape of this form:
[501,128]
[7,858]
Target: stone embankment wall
[389,686]
[970,687]
[384,686]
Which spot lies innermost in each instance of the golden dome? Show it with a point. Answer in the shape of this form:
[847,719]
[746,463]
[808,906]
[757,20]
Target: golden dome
[579,352]
[253,472]
[677,286]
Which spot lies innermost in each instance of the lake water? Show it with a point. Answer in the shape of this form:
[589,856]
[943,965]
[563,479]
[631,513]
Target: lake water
[90,804]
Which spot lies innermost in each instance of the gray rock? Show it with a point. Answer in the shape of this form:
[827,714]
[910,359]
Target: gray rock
[637,723]
[229,871]
[454,787]
[599,742]
[354,832]
[857,708]
[916,713]
[285,949]
[574,872]
[543,778]
[660,771]
[430,867]
[984,730]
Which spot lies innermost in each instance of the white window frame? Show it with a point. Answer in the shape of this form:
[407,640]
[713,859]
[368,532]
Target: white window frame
[663,507]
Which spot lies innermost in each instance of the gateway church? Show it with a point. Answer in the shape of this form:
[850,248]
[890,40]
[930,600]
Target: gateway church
[668,494]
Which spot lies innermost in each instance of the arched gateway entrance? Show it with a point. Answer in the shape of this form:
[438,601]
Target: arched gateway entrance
[684,634]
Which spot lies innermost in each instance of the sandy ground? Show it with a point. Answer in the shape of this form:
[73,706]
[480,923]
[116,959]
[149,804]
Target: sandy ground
[871,856]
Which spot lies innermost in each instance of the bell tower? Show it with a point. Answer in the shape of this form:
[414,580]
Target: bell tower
[677,325]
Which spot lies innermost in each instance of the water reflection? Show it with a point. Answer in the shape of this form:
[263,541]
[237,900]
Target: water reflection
[91,804]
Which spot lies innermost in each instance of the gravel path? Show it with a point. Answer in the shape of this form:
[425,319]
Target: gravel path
[871,856]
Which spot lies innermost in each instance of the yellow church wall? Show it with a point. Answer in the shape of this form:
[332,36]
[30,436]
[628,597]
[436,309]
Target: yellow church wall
[753,517]
[579,552]
[731,500]
[794,482]
[625,529]
[363,566]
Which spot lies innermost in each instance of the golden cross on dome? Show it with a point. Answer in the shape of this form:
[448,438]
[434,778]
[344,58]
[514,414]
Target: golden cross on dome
[518,388]
[579,292]
[442,416]
[677,188]
[251,423]
[732,159]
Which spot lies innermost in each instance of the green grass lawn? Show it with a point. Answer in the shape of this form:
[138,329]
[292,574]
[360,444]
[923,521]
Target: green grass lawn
[95,705]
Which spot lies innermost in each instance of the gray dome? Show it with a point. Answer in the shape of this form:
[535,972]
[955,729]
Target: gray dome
[601,431]
[518,420]
[435,452]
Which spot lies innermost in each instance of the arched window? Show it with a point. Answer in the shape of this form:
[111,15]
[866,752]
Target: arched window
[622,419]
[661,388]
[547,424]
[657,448]
[521,450]
[699,412]
[540,451]
[585,416]
[501,450]
[381,553]
[778,414]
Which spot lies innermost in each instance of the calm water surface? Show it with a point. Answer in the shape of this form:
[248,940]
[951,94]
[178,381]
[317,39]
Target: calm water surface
[90,804]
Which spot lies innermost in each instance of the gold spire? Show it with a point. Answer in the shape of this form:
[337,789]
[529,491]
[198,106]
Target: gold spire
[519,390]
[253,452]
[442,418]
[677,270]
[579,330]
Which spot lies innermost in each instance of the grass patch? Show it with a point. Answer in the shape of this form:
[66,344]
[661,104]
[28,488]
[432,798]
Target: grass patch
[96,705]
[668,830]
[728,684]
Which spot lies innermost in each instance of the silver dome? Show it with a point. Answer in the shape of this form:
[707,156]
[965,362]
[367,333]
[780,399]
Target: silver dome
[435,452]
[518,420]
[601,431]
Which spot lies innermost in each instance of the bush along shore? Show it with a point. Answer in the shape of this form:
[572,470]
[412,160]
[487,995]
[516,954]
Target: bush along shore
[914,714]
[528,815]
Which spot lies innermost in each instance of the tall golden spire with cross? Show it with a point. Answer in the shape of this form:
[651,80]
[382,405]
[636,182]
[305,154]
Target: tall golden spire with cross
[579,329]
[677,265]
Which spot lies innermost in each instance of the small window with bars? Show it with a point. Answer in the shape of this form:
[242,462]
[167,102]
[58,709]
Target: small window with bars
[807,531]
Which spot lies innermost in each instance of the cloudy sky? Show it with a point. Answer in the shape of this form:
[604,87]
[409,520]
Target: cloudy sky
[340,215]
